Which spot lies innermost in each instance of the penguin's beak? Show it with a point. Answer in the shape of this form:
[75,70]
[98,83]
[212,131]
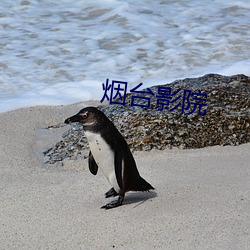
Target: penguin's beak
[74,118]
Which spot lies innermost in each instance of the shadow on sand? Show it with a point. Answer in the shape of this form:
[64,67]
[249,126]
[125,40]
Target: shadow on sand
[138,198]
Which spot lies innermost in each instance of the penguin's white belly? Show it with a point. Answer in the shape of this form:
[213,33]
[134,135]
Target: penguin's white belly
[104,157]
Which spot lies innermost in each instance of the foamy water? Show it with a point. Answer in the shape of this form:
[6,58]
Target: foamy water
[60,52]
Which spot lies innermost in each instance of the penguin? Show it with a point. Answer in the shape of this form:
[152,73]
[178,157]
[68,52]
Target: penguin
[110,152]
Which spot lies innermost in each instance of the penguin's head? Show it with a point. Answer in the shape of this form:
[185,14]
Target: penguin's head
[88,117]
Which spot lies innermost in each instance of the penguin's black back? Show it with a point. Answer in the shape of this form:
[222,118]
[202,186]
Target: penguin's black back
[131,178]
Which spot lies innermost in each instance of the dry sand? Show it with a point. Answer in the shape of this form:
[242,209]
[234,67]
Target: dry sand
[201,201]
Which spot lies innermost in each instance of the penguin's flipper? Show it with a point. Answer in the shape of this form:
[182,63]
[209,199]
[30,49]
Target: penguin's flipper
[111,193]
[93,167]
[118,166]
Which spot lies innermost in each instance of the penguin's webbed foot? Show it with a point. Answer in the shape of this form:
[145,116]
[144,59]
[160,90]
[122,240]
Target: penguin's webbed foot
[111,193]
[113,204]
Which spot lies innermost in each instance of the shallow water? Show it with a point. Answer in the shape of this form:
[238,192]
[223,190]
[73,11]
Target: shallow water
[61,52]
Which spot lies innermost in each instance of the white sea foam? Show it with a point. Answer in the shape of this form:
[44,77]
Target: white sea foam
[60,52]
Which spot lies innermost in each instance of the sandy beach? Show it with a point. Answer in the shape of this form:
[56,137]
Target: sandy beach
[201,198]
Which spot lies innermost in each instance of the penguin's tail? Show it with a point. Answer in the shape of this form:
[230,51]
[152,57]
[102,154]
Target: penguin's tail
[141,185]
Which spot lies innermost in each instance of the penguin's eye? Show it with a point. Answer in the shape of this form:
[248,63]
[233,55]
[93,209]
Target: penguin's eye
[84,115]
